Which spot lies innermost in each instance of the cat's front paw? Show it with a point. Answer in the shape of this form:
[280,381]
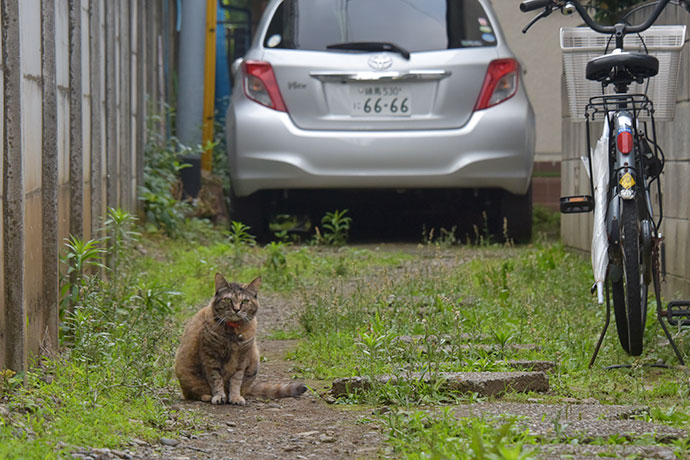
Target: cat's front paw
[238,400]
[219,399]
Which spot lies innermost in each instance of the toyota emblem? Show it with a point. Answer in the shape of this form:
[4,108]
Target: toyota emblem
[381,62]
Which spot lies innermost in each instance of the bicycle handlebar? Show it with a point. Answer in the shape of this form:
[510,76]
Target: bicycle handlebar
[627,28]
[619,29]
[529,5]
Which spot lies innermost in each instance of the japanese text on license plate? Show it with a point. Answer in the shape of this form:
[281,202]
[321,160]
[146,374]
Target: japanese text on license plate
[380,100]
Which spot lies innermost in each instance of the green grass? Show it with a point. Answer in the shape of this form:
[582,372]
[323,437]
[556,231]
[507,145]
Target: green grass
[546,224]
[507,296]
[418,435]
[76,406]
[362,311]
[113,377]
[434,314]
[500,299]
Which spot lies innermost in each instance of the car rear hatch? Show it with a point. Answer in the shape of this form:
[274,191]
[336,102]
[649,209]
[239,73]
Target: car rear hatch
[384,65]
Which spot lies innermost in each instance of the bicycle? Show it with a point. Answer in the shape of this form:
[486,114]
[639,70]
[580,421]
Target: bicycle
[624,166]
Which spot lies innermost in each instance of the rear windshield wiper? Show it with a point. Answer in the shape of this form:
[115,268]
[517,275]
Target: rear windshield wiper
[371,46]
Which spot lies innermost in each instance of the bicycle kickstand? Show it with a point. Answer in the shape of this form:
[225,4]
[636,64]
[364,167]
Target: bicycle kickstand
[606,326]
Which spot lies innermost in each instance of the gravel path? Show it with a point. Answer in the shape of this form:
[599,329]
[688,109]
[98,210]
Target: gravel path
[294,428]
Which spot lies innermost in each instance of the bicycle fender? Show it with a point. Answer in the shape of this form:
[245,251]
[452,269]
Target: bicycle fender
[613,219]
[646,235]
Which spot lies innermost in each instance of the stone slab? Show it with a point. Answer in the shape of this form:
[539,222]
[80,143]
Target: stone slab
[493,348]
[585,422]
[530,365]
[483,347]
[591,452]
[482,383]
[445,338]
[550,412]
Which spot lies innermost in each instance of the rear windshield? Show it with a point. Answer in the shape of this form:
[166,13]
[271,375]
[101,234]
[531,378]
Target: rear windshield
[415,25]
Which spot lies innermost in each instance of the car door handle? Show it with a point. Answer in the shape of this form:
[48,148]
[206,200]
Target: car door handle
[414,75]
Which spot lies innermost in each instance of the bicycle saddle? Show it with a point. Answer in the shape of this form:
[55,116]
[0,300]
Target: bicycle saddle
[622,66]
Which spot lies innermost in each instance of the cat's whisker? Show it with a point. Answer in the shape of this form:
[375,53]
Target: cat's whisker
[218,325]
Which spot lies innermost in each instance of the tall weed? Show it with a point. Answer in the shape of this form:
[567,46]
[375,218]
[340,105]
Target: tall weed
[80,256]
[160,193]
[421,435]
[335,227]
[240,239]
[116,319]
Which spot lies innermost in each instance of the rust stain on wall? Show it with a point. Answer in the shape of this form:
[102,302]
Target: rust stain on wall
[33,268]
[2,281]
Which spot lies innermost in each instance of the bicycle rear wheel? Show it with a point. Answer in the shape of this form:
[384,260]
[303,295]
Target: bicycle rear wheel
[630,291]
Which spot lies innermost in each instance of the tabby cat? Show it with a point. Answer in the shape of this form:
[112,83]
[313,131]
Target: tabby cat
[218,358]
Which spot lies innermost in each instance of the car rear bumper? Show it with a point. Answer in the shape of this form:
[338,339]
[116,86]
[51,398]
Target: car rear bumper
[495,149]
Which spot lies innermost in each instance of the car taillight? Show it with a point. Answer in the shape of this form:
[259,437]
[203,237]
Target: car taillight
[625,142]
[260,85]
[500,83]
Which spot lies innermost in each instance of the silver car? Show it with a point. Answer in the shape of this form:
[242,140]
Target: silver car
[405,96]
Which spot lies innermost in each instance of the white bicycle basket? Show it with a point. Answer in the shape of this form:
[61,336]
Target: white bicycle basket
[580,44]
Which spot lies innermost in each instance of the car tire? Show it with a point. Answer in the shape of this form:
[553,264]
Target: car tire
[516,216]
[250,210]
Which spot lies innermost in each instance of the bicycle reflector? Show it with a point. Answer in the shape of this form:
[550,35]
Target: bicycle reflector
[624,140]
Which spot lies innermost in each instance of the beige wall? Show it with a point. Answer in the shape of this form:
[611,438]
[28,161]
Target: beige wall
[539,52]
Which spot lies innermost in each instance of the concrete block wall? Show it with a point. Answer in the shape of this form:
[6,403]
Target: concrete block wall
[674,138]
[75,78]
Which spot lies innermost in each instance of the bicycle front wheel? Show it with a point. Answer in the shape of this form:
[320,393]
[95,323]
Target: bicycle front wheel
[630,292]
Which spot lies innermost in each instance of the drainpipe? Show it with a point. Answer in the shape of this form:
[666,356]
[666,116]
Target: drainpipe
[191,72]
[190,108]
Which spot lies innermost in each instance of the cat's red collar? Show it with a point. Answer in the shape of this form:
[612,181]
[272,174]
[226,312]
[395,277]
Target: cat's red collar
[232,324]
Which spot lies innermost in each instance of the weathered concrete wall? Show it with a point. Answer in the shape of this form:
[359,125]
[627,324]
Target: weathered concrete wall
[49,174]
[3,313]
[674,138]
[73,121]
[14,332]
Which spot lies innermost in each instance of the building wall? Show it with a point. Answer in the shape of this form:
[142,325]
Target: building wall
[539,52]
[73,112]
[674,138]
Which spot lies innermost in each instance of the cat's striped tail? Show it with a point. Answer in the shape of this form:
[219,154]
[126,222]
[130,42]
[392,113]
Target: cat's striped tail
[277,390]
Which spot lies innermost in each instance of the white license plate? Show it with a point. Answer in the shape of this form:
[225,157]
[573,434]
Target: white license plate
[380,101]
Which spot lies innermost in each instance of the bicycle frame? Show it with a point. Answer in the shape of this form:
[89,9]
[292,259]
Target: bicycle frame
[628,178]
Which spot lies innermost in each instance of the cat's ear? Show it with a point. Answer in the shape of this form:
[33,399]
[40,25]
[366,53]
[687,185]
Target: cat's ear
[254,286]
[220,282]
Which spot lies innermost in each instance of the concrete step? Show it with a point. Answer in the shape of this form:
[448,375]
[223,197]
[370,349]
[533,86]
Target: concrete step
[585,422]
[590,452]
[531,365]
[445,343]
[482,383]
